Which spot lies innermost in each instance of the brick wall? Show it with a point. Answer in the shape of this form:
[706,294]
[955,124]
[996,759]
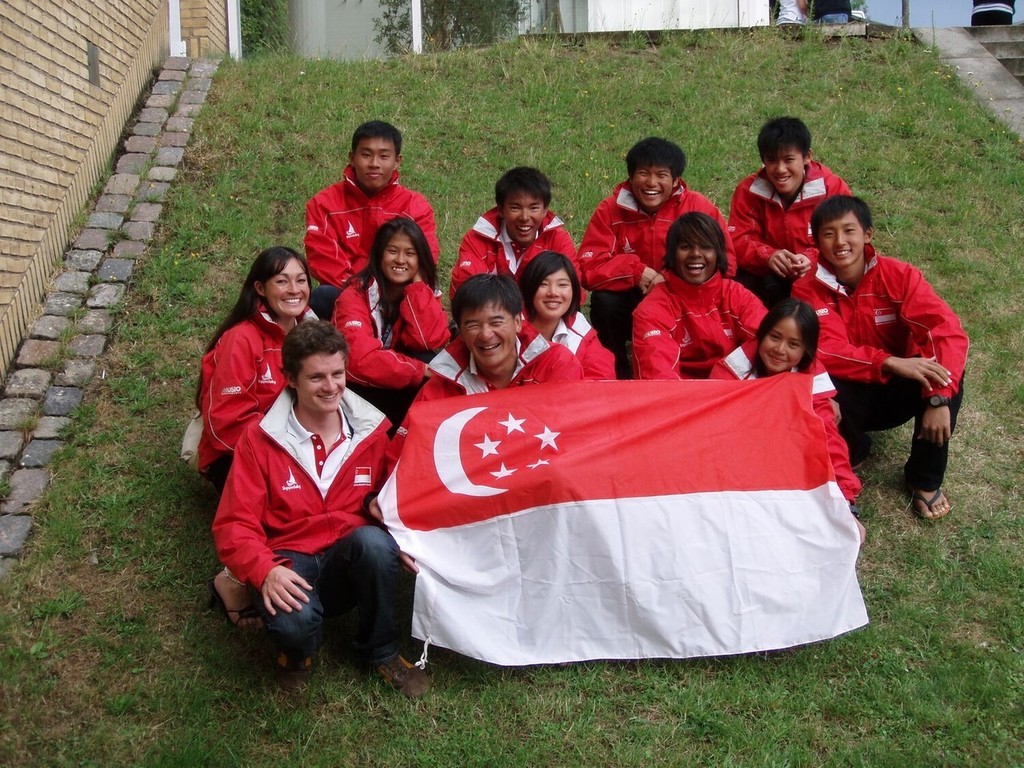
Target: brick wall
[59,129]
[204,27]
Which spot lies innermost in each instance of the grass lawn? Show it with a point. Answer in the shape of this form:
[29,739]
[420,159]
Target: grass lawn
[107,656]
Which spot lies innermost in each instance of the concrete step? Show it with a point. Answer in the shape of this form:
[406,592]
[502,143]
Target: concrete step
[1002,34]
[1005,50]
[1014,65]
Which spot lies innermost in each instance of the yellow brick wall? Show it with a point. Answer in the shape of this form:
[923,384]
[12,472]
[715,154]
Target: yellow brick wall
[204,27]
[58,132]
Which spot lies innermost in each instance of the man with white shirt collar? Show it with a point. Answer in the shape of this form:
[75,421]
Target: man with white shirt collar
[293,522]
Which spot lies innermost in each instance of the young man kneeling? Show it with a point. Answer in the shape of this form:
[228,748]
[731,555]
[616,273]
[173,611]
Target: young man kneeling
[293,521]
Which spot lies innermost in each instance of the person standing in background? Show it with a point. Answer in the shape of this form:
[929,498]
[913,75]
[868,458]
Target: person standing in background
[990,14]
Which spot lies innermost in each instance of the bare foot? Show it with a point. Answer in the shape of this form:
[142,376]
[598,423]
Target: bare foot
[930,505]
[235,601]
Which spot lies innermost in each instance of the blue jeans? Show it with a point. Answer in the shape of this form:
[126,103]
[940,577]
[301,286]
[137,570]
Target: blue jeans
[834,18]
[359,571]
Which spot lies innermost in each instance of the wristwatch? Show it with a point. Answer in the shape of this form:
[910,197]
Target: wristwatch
[937,401]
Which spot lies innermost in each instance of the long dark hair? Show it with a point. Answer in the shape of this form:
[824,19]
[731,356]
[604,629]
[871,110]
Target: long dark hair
[543,265]
[373,270]
[270,262]
[806,322]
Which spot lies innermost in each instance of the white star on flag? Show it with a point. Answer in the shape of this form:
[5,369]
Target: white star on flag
[488,446]
[503,472]
[547,438]
[512,424]
[537,463]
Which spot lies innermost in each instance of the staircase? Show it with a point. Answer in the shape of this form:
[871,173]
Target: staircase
[1006,43]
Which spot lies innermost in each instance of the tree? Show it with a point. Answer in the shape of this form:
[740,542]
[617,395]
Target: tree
[447,24]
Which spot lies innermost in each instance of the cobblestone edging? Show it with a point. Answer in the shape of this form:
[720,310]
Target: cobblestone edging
[77,315]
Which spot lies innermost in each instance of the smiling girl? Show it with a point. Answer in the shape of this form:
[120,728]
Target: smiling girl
[392,318]
[695,316]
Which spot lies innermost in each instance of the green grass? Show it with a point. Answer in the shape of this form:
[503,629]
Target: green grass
[106,654]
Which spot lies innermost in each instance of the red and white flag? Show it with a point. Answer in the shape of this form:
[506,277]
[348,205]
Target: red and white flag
[624,520]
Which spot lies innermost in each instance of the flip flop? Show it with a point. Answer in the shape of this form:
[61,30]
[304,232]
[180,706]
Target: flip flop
[217,602]
[917,496]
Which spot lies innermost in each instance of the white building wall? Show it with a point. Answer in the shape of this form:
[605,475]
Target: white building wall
[337,29]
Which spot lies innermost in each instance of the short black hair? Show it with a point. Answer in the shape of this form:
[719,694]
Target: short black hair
[653,152]
[701,229]
[523,179]
[837,206]
[481,290]
[378,129]
[313,337]
[541,266]
[782,132]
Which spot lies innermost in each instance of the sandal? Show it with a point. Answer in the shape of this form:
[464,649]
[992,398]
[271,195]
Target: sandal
[241,615]
[917,496]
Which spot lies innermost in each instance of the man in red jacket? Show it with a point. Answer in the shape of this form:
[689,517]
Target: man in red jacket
[624,245]
[509,236]
[342,220]
[293,521]
[770,215]
[893,348]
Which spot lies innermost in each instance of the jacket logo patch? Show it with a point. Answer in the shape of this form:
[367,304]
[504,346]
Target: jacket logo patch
[312,228]
[655,332]
[821,312]
[364,476]
[587,255]
[231,391]
[354,324]
[291,484]
[267,377]
[627,248]
[351,231]
[883,316]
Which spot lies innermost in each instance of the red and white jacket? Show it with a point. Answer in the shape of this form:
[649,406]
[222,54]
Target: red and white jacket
[622,239]
[893,312]
[341,222]
[760,225]
[241,376]
[375,361]
[739,365]
[537,362]
[575,332]
[681,330]
[273,500]
[487,248]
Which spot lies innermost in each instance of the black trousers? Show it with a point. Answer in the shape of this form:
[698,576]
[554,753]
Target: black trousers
[874,407]
[611,314]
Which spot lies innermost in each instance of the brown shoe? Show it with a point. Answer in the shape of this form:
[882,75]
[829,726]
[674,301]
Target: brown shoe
[293,678]
[406,678]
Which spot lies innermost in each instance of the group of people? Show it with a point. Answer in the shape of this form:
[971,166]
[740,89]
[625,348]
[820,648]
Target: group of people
[303,418]
[817,11]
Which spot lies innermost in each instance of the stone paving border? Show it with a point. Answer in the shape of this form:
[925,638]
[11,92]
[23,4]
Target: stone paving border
[58,358]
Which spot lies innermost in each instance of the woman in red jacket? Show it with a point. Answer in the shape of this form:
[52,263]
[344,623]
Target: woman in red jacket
[391,315]
[552,296]
[241,377]
[787,342]
[696,316]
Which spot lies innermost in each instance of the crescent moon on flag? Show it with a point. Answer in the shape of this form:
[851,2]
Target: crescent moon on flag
[448,457]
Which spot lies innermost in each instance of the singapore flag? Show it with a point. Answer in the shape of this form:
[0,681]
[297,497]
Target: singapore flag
[624,520]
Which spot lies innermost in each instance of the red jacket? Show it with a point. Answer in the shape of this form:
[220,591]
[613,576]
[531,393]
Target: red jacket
[893,311]
[621,239]
[760,226]
[241,376]
[539,362]
[576,333]
[486,250]
[270,502]
[739,364]
[680,330]
[341,222]
[422,326]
